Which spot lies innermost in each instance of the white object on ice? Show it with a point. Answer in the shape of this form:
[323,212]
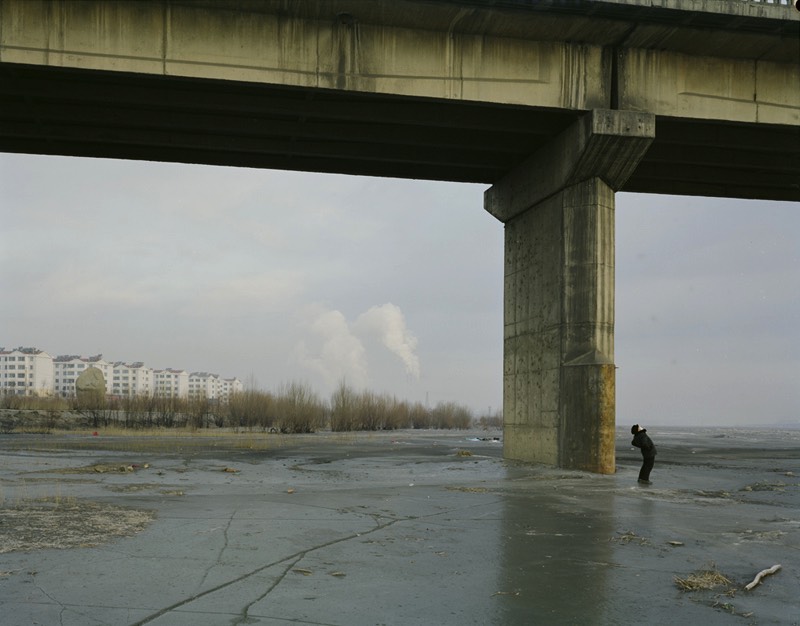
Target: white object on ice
[761,574]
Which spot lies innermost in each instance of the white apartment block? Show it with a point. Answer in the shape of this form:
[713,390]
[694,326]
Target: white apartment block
[212,387]
[67,368]
[228,387]
[30,371]
[132,379]
[171,383]
[26,372]
[203,385]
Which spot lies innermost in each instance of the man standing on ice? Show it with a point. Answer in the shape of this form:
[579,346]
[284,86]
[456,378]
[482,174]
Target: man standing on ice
[648,448]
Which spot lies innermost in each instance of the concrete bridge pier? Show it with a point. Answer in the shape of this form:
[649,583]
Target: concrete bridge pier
[558,210]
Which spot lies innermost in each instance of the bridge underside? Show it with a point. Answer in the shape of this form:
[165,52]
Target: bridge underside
[61,111]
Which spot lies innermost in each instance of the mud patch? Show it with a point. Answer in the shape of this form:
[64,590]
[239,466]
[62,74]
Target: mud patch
[37,525]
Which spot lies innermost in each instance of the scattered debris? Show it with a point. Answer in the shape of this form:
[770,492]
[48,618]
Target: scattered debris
[765,486]
[231,470]
[629,536]
[102,469]
[71,523]
[760,575]
[467,489]
[463,453]
[703,580]
[290,490]
[715,494]
[768,535]
[725,606]
[339,574]
[303,571]
[675,543]
[505,593]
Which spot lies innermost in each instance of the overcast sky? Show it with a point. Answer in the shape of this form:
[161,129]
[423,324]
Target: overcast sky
[390,285]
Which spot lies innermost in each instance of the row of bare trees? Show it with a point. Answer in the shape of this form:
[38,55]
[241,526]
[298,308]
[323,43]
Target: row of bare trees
[297,409]
[294,408]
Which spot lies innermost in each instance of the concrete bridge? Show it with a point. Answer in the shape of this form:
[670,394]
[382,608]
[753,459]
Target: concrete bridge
[557,105]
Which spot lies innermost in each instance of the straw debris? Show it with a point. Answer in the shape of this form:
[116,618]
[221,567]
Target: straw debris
[703,580]
[72,523]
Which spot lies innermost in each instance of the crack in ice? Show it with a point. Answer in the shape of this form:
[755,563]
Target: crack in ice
[221,550]
[293,558]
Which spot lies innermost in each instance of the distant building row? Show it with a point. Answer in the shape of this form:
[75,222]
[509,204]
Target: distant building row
[32,372]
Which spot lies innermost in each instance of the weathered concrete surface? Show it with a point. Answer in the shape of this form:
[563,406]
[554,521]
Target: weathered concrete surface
[605,144]
[558,208]
[277,44]
[459,91]
[397,528]
[679,85]
[445,51]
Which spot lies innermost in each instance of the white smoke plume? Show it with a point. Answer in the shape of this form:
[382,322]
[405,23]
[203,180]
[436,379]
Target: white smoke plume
[336,352]
[389,323]
[340,355]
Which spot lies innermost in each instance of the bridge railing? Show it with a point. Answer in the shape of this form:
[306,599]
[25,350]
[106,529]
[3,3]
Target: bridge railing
[787,3]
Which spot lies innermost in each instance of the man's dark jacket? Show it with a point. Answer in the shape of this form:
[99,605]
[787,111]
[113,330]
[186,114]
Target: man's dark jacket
[642,441]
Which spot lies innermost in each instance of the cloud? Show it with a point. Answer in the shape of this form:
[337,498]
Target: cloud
[389,323]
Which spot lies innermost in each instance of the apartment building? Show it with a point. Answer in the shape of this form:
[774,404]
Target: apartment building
[171,383]
[213,387]
[67,368]
[26,372]
[132,379]
[204,385]
[228,387]
[30,371]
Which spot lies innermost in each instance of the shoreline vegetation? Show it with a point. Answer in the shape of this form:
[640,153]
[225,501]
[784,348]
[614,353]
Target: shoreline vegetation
[294,409]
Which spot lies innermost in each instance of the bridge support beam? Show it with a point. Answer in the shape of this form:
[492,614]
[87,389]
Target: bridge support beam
[558,210]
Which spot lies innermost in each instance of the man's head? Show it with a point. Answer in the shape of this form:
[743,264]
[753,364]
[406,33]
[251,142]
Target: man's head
[635,429]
